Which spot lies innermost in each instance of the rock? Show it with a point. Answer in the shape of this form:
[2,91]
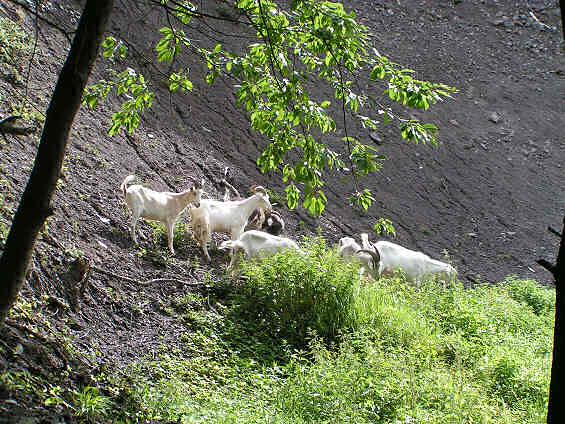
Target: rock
[495,117]
[376,138]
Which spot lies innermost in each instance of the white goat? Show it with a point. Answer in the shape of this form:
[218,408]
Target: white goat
[415,265]
[269,221]
[348,248]
[253,243]
[231,216]
[200,221]
[160,206]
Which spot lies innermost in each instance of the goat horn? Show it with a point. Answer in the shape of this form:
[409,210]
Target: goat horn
[374,254]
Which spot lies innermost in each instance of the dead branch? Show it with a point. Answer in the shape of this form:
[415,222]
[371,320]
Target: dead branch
[6,126]
[554,231]
[550,267]
[142,283]
[59,302]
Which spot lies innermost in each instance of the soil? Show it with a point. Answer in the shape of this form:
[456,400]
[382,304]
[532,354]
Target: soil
[485,195]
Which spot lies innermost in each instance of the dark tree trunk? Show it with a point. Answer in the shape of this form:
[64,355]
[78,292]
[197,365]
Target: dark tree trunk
[35,205]
[556,403]
[562,6]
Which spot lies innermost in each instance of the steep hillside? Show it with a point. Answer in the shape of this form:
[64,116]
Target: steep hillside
[486,194]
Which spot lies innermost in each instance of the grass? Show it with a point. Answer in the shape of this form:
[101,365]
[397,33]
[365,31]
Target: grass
[304,340]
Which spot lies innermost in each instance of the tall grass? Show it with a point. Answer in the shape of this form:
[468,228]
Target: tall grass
[304,340]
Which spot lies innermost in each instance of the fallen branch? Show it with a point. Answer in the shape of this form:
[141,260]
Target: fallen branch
[6,126]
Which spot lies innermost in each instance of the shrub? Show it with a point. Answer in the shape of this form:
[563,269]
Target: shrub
[289,294]
[14,41]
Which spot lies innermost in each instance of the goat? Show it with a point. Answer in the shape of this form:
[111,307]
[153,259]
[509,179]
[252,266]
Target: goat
[160,206]
[349,248]
[415,265]
[231,216]
[253,243]
[200,222]
[269,221]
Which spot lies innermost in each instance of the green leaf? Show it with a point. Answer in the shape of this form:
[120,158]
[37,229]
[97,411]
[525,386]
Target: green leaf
[292,196]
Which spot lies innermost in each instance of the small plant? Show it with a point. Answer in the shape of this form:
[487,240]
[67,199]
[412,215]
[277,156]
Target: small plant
[90,404]
[14,42]
[160,237]
[292,294]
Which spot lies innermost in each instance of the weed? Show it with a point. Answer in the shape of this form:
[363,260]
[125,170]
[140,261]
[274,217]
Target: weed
[90,404]
[14,42]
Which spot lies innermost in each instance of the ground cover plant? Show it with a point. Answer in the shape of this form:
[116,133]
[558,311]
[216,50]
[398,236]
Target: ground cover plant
[390,352]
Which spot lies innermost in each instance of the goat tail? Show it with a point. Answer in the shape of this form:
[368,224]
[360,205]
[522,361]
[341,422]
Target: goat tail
[124,185]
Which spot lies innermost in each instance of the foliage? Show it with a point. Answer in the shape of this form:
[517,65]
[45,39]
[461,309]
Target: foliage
[399,354]
[384,226]
[311,42]
[90,404]
[14,41]
[293,294]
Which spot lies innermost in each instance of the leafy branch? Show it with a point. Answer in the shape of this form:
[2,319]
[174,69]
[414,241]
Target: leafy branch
[295,48]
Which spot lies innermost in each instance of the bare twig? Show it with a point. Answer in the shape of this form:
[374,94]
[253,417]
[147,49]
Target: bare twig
[142,283]
[30,64]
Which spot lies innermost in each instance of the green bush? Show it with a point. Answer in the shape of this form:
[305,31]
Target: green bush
[14,42]
[289,294]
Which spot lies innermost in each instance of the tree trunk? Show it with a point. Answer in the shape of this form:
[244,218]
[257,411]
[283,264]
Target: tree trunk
[35,205]
[562,6]
[556,403]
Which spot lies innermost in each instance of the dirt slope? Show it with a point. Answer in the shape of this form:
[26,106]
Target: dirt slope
[486,194]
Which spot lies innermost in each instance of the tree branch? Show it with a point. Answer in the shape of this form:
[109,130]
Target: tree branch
[7,128]
[550,267]
[557,233]
[143,283]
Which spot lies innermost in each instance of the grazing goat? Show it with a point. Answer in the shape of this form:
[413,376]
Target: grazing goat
[231,216]
[253,243]
[349,248]
[415,265]
[160,206]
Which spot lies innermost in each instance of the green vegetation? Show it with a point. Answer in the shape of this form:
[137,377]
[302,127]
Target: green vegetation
[15,43]
[292,47]
[301,339]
